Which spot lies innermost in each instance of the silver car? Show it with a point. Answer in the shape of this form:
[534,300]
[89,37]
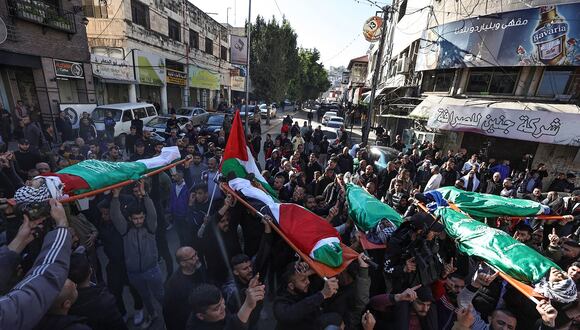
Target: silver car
[264,111]
[197,116]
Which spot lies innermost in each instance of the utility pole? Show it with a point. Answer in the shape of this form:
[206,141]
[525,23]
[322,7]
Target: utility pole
[367,125]
[249,32]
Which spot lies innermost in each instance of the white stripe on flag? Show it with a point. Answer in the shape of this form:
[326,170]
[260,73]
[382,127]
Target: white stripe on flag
[168,155]
[245,187]
[250,166]
[322,242]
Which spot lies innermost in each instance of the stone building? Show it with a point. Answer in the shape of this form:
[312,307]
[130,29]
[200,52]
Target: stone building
[167,52]
[44,59]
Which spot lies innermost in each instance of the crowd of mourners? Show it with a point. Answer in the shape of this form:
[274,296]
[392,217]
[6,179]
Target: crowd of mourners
[67,266]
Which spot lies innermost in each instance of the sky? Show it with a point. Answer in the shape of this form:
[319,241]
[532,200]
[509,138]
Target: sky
[334,27]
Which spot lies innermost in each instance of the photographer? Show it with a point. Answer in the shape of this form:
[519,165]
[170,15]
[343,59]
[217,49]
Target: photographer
[30,299]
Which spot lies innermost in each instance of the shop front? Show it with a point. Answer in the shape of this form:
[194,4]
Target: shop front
[150,75]
[176,81]
[206,85]
[113,78]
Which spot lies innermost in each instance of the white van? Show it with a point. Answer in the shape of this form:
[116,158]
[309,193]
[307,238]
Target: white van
[123,113]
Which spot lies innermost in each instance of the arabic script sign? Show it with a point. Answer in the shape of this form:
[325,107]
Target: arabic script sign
[546,35]
[537,126]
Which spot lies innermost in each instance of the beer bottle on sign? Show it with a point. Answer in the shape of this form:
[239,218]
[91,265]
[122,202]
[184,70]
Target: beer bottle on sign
[550,36]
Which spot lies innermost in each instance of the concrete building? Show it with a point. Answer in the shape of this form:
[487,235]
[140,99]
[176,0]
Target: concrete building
[167,52]
[497,78]
[357,79]
[44,60]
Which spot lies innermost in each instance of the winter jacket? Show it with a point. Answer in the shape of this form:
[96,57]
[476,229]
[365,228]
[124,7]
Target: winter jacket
[29,300]
[178,203]
[62,322]
[138,243]
[99,307]
[297,311]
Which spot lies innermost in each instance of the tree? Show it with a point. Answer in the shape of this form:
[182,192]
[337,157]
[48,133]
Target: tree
[312,78]
[273,58]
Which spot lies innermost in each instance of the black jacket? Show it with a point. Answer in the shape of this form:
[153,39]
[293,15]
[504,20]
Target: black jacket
[176,307]
[99,307]
[62,322]
[297,311]
[231,322]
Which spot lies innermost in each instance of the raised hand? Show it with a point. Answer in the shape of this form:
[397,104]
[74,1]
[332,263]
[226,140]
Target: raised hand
[554,239]
[330,287]
[368,321]
[547,312]
[465,316]
[449,268]
[408,295]
[410,266]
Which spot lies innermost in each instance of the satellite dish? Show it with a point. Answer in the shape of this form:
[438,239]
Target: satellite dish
[3,31]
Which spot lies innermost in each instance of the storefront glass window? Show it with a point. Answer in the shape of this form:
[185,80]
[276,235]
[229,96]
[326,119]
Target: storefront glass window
[67,91]
[554,82]
[437,81]
[492,81]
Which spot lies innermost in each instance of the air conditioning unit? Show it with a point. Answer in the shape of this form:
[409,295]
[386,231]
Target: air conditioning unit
[402,65]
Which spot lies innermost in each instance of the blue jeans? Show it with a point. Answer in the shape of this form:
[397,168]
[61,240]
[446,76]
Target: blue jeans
[149,284]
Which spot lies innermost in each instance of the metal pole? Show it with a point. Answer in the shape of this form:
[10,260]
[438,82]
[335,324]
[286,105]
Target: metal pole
[248,66]
[370,114]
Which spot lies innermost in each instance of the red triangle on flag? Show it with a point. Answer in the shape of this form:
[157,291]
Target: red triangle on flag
[236,146]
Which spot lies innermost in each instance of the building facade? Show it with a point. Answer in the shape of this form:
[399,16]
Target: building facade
[44,60]
[357,79]
[501,79]
[169,53]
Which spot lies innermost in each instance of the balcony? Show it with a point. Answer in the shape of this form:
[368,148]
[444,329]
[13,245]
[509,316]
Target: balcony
[42,13]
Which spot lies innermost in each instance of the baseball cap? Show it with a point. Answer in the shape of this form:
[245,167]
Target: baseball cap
[23,141]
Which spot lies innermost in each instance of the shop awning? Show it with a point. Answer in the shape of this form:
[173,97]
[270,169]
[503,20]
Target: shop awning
[114,81]
[530,121]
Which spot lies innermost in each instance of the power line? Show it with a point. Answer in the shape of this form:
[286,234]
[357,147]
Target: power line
[111,20]
[343,49]
[280,11]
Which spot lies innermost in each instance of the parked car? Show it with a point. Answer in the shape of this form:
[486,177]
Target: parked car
[250,112]
[335,122]
[196,115]
[327,116]
[214,124]
[122,113]
[332,135]
[264,111]
[159,124]
[383,155]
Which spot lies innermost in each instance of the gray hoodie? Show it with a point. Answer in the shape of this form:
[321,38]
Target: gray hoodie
[139,243]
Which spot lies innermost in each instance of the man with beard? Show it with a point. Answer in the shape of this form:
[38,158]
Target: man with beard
[26,158]
[176,306]
[295,308]
[410,309]
[244,269]
[494,186]
[445,291]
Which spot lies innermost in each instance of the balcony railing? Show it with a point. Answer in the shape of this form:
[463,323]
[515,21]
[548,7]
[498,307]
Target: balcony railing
[42,13]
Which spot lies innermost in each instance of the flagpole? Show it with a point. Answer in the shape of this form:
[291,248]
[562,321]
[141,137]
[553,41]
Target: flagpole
[249,32]
[212,193]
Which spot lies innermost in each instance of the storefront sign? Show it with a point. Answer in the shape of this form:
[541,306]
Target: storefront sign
[372,29]
[176,77]
[202,78]
[111,68]
[546,35]
[149,68]
[239,50]
[238,83]
[66,69]
[527,125]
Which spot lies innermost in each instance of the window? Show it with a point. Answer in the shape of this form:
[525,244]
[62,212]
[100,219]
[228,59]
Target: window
[208,46]
[127,115]
[437,81]
[140,112]
[151,111]
[555,81]
[224,53]
[92,10]
[193,39]
[492,81]
[174,29]
[140,13]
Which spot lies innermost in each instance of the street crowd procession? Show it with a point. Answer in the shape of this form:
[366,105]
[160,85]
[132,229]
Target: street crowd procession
[161,169]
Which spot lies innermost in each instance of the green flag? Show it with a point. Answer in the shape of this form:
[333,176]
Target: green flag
[482,206]
[495,246]
[367,211]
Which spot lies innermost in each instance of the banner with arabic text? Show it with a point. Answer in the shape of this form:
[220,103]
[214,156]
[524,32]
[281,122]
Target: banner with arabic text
[545,35]
[527,125]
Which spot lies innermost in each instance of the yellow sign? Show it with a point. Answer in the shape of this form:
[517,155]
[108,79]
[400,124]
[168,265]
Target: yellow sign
[176,77]
[238,83]
[202,78]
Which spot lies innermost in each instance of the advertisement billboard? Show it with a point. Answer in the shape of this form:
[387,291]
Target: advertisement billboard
[202,78]
[149,68]
[239,50]
[546,35]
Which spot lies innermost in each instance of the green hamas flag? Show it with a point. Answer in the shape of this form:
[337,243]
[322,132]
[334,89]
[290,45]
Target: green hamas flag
[367,211]
[482,206]
[496,247]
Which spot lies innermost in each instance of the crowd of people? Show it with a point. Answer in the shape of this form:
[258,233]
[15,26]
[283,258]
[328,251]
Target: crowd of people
[67,266]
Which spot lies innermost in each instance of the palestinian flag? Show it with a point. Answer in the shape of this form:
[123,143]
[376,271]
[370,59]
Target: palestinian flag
[367,211]
[238,158]
[95,174]
[311,234]
[482,206]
